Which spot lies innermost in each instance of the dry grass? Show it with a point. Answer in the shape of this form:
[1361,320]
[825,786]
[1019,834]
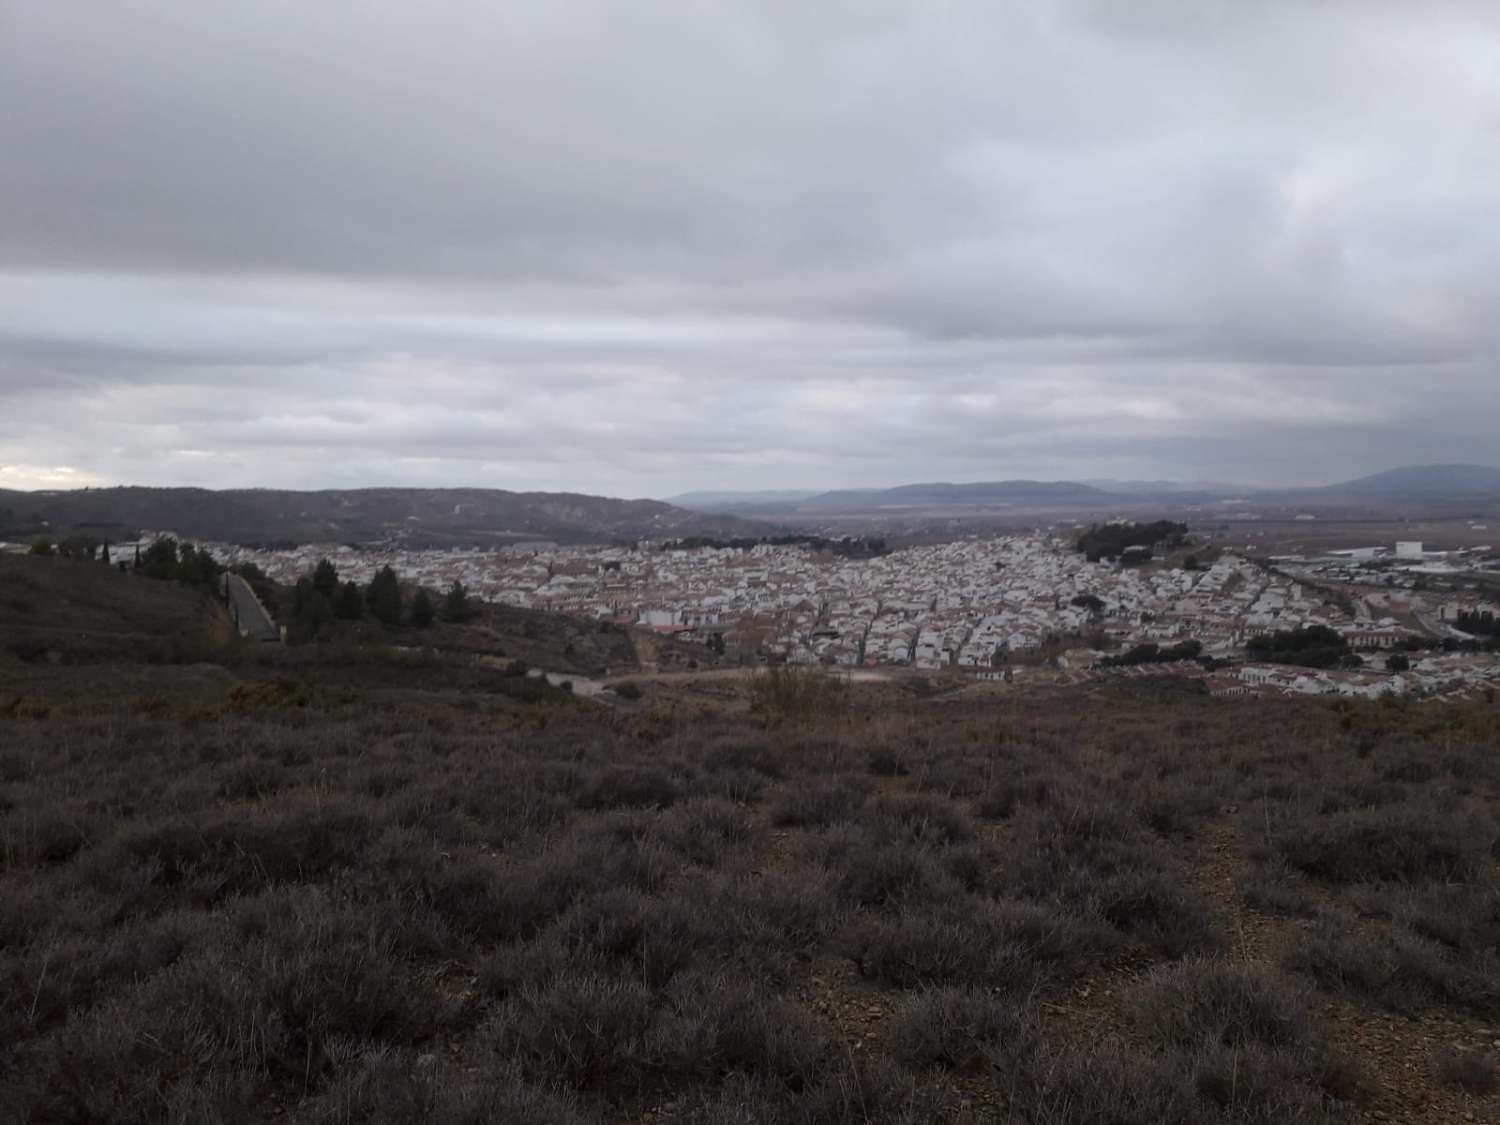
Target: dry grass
[368,890]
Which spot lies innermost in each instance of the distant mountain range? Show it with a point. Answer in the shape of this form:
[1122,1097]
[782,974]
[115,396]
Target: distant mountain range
[1426,483]
[718,501]
[985,494]
[1163,487]
[420,516]
[478,516]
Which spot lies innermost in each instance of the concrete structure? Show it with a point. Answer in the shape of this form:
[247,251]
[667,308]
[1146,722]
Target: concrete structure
[1409,550]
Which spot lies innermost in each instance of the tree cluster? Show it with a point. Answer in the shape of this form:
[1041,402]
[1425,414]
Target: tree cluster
[1110,540]
[1312,646]
[1154,654]
[322,599]
[169,561]
[456,607]
[1479,623]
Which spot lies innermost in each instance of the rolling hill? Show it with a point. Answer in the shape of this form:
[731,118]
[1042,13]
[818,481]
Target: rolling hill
[710,501]
[418,516]
[1424,482]
[942,495]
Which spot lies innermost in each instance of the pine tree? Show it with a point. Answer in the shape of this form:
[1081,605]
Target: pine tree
[384,596]
[310,609]
[104,552]
[350,605]
[421,610]
[456,603]
[160,560]
[326,579]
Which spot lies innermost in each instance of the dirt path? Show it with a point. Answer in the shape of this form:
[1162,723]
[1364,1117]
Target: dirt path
[1395,1050]
[646,652]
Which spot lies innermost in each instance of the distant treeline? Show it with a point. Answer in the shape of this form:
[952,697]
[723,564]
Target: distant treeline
[1110,540]
[848,546]
[1479,624]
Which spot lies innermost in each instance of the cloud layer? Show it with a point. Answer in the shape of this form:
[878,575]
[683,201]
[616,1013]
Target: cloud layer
[636,249]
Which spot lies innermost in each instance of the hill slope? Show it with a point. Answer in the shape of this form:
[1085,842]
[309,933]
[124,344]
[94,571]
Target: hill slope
[981,494]
[1419,482]
[436,516]
[63,610]
[724,501]
[373,888]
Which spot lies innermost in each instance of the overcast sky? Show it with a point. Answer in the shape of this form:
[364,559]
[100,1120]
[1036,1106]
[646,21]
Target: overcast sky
[641,248]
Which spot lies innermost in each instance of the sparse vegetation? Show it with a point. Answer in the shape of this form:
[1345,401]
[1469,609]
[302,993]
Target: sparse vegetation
[333,882]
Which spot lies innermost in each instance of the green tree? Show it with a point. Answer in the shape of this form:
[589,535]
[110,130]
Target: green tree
[421,610]
[196,567]
[384,596]
[41,547]
[1311,646]
[350,605]
[325,579]
[1398,662]
[456,603]
[160,559]
[310,609]
[104,552]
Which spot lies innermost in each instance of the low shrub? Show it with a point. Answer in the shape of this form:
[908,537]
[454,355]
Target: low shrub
[959,1028]
[886,875]
[705,831]
[586,1028]
[819,805]
[1200,1002]
[398,1087]
[1158,912]
[1367,845]
[919,948]
[1105,1084]
[619,787]
[1473,1072]
[919,818]
[1395,968]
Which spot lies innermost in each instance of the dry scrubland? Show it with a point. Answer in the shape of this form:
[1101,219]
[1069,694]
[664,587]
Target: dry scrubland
[344,887]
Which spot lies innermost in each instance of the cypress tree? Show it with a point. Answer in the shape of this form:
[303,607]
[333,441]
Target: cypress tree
[384,596]
[326,579]
[421,610]
[350,605]
[456,603]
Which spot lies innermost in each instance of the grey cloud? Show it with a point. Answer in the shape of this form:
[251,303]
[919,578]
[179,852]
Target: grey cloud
[672,245]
